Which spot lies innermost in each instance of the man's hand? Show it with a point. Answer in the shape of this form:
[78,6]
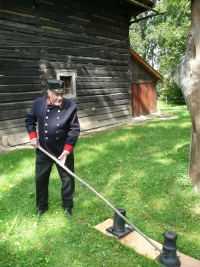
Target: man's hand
[63,157]
[34,142]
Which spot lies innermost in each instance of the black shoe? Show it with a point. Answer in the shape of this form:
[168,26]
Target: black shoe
[68,213]
[39,213]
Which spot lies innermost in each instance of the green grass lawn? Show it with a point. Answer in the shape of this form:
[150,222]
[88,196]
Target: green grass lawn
[142,168]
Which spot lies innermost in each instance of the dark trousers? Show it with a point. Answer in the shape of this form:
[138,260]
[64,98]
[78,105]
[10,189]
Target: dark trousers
[43,170]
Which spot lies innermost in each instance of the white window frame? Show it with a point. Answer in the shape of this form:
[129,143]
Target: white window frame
[72,74]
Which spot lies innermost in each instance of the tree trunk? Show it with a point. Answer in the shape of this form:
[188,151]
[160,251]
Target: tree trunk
[187,77]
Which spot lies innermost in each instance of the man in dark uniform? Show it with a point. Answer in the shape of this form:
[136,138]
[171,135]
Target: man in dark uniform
[58,131]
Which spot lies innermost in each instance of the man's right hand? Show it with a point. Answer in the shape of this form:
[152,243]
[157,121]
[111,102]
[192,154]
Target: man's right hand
[34,142]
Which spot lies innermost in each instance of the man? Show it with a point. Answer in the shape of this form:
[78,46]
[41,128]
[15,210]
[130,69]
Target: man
[58,131]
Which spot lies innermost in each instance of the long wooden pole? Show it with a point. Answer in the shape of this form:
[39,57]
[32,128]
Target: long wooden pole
[101,197]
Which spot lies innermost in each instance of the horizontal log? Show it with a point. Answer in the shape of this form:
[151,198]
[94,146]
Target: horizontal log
[96,72]
[102,85]
[21,9]
[97,98]
[81,93]
[27,3]
[74,38]
[19,63]
[5,53]
[82,106]
[55,52]
[13,114]
[20,72]
[24,38]
[22,88]
[15,106]
[86,80]
[18,27]
[101,110]
[101,117]
[86,25]
[17,18]
[64,8]
[19,80]
[6,98]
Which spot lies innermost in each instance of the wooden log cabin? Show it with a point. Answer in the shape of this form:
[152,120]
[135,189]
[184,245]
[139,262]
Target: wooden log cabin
[83,42]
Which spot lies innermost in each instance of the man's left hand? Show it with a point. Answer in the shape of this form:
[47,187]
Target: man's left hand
[63,157]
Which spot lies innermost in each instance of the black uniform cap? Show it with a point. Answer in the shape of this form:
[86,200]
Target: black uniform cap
[56,86]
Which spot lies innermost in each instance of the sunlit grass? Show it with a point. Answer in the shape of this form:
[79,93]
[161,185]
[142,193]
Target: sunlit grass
[142,168]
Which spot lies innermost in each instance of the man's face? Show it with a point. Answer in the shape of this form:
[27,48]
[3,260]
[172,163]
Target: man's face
[55,98]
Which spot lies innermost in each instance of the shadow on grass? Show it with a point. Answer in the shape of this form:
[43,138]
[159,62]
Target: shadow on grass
[142,168]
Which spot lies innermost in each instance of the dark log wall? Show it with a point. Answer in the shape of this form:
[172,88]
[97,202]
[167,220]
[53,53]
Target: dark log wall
[87,37]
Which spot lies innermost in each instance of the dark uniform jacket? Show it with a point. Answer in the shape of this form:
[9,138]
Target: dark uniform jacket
[58,126]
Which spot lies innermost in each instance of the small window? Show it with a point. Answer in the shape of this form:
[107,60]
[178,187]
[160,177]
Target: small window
[69,79]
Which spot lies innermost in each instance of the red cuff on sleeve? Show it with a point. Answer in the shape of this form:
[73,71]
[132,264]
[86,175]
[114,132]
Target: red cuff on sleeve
[33,135]
[68,148]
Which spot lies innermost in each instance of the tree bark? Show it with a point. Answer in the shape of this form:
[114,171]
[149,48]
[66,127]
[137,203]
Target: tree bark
[187,77]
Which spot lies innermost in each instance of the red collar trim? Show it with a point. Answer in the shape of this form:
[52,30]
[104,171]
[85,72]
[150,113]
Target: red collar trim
[48,102]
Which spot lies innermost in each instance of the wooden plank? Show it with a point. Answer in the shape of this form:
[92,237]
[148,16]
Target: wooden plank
[16,26]
[12,114]
[20,72]
[86,79]
[28,3]
[19,97]
[99,118]
[52,53]
[101,110]
[15,105]
[97,72]
[19,80]
[84,22]
[106,10]
[98,104]
[17,18]
[97,98]
[19,63]
[14,88]
[18,8]
[102,91]
[142,246]
[5,53]
[61,37]
[102,84]
[26,38]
